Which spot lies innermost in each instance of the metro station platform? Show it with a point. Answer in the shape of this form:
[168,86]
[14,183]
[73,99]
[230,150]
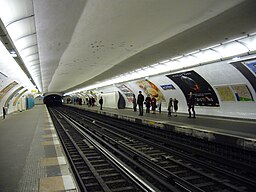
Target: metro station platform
[231,131]
[32,158]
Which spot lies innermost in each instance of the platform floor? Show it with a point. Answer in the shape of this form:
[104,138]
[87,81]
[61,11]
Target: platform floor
[31,155]
[223,125]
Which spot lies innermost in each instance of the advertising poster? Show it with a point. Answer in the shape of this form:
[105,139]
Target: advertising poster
[191,81]
[11,96]
[151,89]
[17,98]
[5,90]
[247,73]
[252,66]
[242,93]
[126,91]
[225,93]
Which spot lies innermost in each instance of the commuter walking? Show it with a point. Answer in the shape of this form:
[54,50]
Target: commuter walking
[153,105]
[191,105]
[148,103]
[134,102]
[170,107]
[175,106]
[140,101]
[101,103]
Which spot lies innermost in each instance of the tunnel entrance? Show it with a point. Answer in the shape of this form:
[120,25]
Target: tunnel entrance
[53,100]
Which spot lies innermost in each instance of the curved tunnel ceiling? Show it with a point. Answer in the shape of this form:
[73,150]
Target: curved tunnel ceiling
[231,24]
[82,42]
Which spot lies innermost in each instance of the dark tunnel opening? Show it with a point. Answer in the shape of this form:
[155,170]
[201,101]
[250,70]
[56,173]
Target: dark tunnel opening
[53,100]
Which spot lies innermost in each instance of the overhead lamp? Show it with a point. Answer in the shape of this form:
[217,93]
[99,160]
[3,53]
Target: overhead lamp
[231,49]
[211,47]
[207,56]
[165,61]
[192,53]
[13,53]
[236,59]
[176,58]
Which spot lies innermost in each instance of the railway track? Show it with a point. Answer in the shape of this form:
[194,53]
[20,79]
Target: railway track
[176,167]
[228,156]
[95,168]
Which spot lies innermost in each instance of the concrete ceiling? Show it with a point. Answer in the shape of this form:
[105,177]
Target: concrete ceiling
[83,42]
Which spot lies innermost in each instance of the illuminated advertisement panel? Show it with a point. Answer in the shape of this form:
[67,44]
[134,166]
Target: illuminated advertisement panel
[191,81]
[151,89]
[126,91]
[5,90]
[247,68]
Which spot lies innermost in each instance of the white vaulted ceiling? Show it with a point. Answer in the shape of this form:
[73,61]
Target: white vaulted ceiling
[82,42]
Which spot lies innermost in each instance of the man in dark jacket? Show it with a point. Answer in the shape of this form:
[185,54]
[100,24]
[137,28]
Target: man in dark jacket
[4,112]
[101,103]
[140,101]
[191,105]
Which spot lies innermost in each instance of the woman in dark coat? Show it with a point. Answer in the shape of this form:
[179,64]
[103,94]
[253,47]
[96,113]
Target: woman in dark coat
[134,102]
[153,105]
[175,106]
[148,102]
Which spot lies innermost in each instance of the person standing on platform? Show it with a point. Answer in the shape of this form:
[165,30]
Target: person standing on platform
[170,107]
[101,103]
[175,106]
[134,102]
[148,103]
[160,105]
[4,113]
[191,105]
[140,101]
[93,101]
[153,105]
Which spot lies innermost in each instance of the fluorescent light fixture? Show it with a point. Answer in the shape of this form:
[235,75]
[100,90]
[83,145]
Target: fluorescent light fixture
[154,65]
[231,49]
[236,59]
[236,39]
[13,53]
[173,65]
[9,67]
[150,71]
[192,53]
[250,42]
[213,46]
[165,61]
[161,68]
[207,55]
[176,58]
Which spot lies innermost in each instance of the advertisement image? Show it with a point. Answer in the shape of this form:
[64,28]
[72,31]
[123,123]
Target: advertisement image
[126,91]
[151,89]
[190,81]
[247,69]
